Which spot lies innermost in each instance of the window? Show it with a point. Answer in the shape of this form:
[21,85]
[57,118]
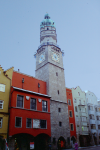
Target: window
[74,100]
[54,140]
[80,102]
[20,101]
[70,113]
[33,103]
[43,124]
[98,126]
[93,126]
[69,102]
[91,116]
[90,107]
[83,118]
[58,91]
[56,73]
[76,109]
[60,124]
[71,127]
[1,104]
[47,28]
[97,117]
[96,109]
[79,93]
[44,105]
[18,122]
[29,123]
[1,120]
[59,109]
[2,88]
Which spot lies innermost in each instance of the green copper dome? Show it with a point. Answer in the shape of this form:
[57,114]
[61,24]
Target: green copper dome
[47,22]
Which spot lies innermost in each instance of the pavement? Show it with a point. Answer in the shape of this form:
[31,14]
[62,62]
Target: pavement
[89,147]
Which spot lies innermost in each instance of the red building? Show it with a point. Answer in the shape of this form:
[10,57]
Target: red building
[29,113]
[71,114]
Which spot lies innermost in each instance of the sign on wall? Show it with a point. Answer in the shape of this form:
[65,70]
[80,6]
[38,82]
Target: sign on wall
[31,145]
[36,123]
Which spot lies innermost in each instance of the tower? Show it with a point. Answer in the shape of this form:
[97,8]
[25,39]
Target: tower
[49,67]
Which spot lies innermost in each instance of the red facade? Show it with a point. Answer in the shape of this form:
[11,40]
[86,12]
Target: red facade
[29,106]
[71,112]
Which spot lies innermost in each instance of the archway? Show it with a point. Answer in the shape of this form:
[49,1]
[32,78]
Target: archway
[21,141]
[42,142]
[61,143]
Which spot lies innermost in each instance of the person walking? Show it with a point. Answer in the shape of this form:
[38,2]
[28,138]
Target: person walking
[76,145]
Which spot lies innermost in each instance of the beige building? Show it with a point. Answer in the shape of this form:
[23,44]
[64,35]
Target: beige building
[81,116]
[5,84]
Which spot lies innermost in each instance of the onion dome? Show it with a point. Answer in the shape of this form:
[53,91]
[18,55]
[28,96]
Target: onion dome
[47,22]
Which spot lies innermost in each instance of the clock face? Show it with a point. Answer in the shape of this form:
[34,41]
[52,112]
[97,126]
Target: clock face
[41,57]
[55,57]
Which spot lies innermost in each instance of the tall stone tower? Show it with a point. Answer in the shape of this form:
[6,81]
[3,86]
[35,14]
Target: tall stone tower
[49,67]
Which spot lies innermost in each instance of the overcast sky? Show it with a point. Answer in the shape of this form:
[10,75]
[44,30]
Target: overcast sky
[78,34]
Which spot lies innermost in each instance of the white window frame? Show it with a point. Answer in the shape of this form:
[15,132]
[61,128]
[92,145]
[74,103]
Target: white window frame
[31,123]
[1,120]
[46,105]
[2,87]
[15,121]
[69,102]
[1,103]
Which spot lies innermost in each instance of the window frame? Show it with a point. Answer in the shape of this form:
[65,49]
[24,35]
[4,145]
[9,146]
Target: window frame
[2,104]
[76,109]
[43,106]
[69,102]
[31,123]
[17,100]
[2,86]
[74,100]
[94,125]
[69,113]
[1,121]
[40,123]
[70,126]
[35,103]
[15,122]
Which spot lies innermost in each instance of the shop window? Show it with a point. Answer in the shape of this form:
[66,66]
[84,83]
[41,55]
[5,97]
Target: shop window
[18,122]
[43,124]
[33,103]
[1,120]
[44,105]
[29,123]
[20,101]
[1,104]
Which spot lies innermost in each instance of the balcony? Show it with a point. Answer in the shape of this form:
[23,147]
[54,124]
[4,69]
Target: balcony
[49,43]
[92,121]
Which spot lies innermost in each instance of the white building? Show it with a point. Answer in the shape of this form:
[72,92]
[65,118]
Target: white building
[94,116]
[81,116]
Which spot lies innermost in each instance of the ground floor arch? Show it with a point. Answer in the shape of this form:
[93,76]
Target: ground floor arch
[61,143]
[23,141]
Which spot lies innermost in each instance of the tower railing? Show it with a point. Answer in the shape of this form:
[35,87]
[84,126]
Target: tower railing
[49,43]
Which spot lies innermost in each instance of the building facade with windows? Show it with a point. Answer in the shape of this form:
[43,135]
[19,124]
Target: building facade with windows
[71,115]
[94,116]
[5,83]
[29,112]
[81,116]
[49,67]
